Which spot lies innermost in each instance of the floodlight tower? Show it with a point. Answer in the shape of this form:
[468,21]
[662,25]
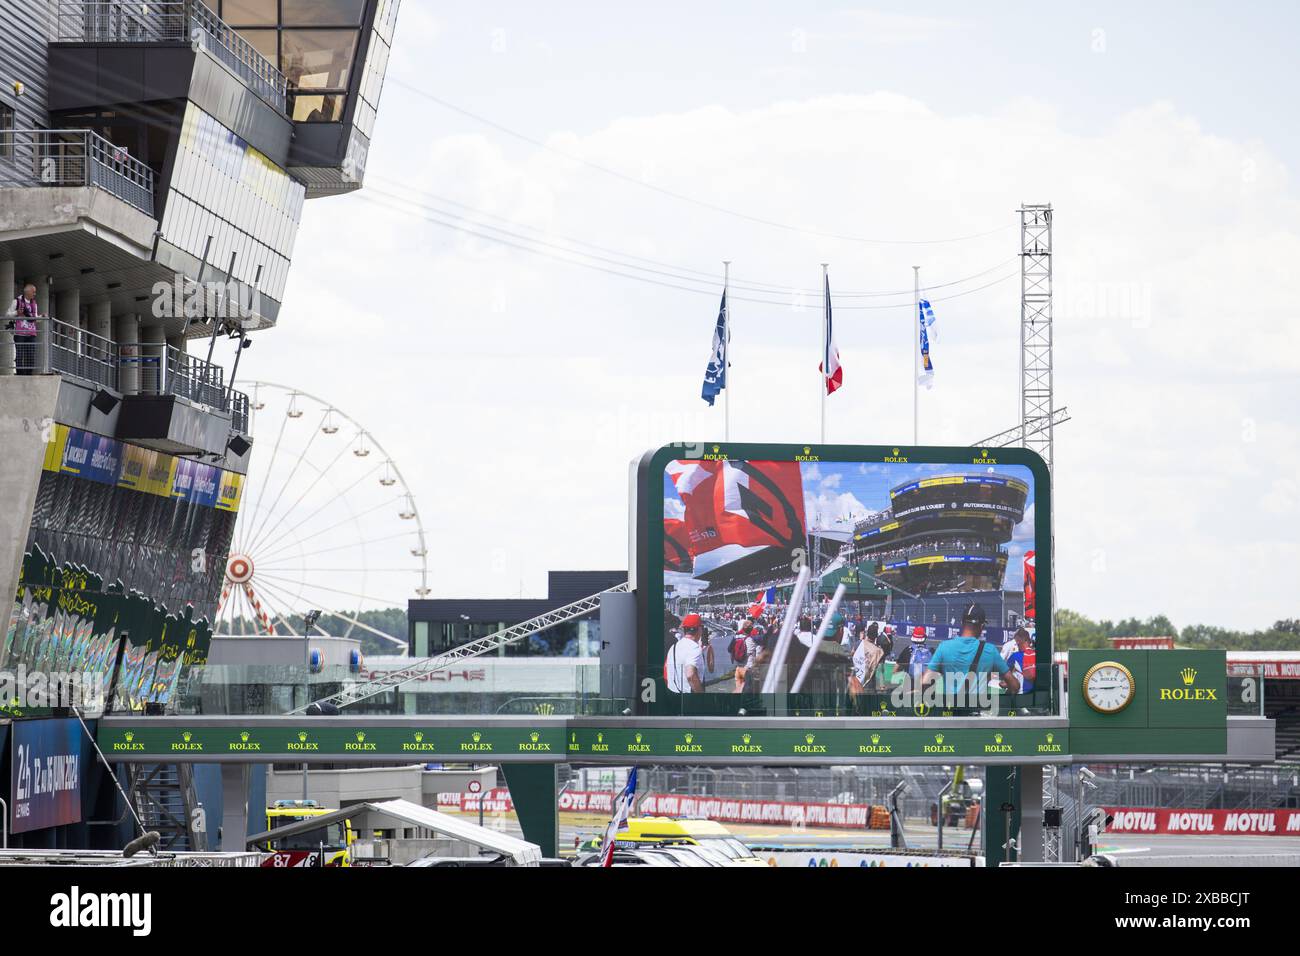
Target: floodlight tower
[1036,399]
[1037,408]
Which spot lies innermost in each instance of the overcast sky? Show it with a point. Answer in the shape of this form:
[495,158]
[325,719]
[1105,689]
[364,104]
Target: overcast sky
[513,388]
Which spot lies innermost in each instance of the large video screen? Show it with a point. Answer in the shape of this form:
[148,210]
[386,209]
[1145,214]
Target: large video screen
[928,544]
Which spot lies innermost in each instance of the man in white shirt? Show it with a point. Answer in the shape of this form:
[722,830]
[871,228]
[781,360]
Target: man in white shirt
[685,666]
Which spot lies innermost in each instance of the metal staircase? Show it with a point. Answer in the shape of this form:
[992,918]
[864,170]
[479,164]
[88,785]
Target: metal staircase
[484,645]
[164,799]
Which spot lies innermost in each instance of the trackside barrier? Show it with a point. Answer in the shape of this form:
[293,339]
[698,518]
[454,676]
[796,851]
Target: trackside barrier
[849,816]
[1156,820]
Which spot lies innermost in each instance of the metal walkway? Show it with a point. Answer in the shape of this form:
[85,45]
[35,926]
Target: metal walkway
[484,645]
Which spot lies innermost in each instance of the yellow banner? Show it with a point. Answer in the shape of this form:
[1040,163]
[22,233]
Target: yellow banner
[232,489]
[949,480]
[54,448]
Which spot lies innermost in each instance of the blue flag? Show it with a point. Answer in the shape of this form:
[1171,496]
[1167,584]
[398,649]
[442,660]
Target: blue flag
[925,319]
[715,375]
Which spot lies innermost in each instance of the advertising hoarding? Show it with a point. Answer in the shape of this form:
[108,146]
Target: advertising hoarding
[45,774]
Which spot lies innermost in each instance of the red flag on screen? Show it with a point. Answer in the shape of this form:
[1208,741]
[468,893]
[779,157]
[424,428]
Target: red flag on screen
[761,503]
[695,482]
[677,546]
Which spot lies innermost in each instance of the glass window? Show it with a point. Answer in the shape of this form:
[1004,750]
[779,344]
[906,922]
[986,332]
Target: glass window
[327,108]
[240,13]
[263,41]
[317,59]
[322,13]
[6,132]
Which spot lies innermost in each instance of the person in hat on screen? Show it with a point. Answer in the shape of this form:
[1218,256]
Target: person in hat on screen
[915,657]
[685,665]
[957,657]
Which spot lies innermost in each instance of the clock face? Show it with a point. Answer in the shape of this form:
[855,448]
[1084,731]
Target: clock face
[1108,687]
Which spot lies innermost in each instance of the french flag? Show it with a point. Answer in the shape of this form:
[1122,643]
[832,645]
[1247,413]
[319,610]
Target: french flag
[830,366]
[761,602]
[618,819]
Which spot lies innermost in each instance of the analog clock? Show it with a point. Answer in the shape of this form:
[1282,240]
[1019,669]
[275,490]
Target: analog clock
[1108,687]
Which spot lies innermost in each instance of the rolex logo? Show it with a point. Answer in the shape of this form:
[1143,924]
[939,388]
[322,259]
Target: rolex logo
[361,736]
[243,735]
[745,738]
[997,738]
[129,735]
[716,449]
[807,449]
[895,451]
[419,735]
[984,453]
[690,738]
[187,735]
[875,738]
[938,738]
[302,736]
[638,738]
[534,736]
[476,736]
[600,738]
[1189,675]
[809,738]
[1051,737]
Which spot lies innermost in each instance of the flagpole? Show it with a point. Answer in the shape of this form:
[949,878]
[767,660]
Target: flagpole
[826,365]
[916,353]
[726,353]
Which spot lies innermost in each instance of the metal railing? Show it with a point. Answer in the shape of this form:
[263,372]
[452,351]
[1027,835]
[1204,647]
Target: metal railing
[74,157]
[82,354]
[137,368]
[180,21]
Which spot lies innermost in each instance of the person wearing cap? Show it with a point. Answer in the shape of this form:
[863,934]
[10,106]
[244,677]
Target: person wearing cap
[685,666]
[915,656]
[967,654]
[1024,660]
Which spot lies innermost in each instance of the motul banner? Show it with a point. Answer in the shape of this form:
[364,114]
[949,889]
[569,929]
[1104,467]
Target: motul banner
[1204,822]
[854,816]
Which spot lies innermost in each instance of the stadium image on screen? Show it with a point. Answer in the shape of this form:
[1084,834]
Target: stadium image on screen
[913,544]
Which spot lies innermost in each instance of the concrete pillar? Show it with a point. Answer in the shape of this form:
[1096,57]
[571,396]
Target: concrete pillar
[234,806]
[7,295]
[42,284]
[126,329]
[67,307]
[1030,840]
[533,791]
[8,292]
[99,319]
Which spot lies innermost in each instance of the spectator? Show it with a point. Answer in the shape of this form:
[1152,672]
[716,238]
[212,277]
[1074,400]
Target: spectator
[25,311]
[1024,660]
[866,658]
[685,667]
[959,656]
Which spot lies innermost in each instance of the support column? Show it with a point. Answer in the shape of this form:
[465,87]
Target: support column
[42,284]
[1031,813]
[126,329]
[67,307]
[534,794]
[999,793]
[99,319]
[234,806]
[8,291]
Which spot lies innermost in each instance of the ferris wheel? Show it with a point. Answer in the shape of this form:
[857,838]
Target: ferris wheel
[326,523]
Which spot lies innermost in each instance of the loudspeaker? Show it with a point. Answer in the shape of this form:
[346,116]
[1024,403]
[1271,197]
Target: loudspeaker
[104,402]
[239,445]
[1052,817]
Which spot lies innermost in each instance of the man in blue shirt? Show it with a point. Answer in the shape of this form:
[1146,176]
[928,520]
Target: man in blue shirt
[957,656]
